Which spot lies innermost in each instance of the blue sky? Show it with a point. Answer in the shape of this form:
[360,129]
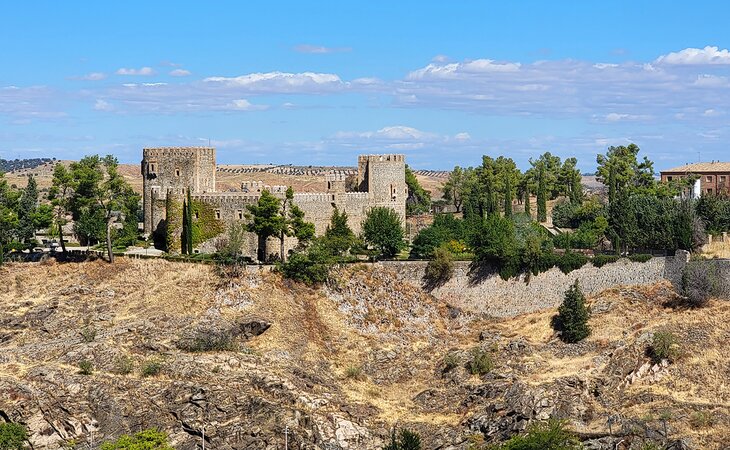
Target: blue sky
[318,83]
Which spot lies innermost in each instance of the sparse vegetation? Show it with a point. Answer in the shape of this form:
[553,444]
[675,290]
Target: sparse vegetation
[404,440]
[86,367]
[12,436]
[550,435]
[151,368]
[699,284]
[481,362]
[354,372]
[664,346]
[123,365]
[701,419]
[441,268]
[572,318]
[451,361]
[150,439]
[88,334]
[208,340]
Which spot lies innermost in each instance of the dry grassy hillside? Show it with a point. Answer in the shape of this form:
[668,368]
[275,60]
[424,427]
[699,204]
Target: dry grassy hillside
[338,365]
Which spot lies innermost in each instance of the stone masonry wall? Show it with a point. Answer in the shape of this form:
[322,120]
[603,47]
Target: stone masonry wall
[499,298]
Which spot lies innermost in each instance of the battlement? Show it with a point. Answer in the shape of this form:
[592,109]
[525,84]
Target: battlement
[335,176]
[259,186]
[395,157]
[226,197]
[311,197]
[160,152]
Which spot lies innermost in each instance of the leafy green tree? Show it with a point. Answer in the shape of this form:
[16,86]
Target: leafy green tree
[444,230]
[494,242]
[620,169]
[714,210]
[383,230]
[569,177]
[457,186]
[419,199]
[265,220]
[572,319]
[187,231]
[12,436]
[339,238]
[8,212]
[61,195]
[507,195]
[310,266]
[293,223]
[101,196]
[526,201]
[149,439]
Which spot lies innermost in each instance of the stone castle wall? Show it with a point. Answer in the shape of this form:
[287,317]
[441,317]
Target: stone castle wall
[499,298]
[172,171]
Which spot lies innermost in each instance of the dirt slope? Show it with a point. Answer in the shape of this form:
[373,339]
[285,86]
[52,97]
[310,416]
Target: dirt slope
[339,365]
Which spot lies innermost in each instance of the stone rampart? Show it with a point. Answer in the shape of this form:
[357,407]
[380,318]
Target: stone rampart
[496,297]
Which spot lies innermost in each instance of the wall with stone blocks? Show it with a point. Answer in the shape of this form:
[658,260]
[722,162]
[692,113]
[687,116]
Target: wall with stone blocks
[496,297]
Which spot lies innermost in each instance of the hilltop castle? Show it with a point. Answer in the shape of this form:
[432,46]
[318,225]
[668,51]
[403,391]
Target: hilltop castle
[169,172]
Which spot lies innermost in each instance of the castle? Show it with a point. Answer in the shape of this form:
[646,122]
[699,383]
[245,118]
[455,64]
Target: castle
[169,172]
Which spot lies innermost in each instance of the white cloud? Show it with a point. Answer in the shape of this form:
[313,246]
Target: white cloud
[455,70]
[242,104]
[179,73]
[102,105]
[93,76]
[440,59]
[712,113]
[319,49]
[711,81]
[696,56]
[143,71]
[462,136]
[281,82]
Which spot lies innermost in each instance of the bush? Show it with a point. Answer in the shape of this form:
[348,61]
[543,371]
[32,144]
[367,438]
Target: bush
[698,284]
[550,435]
[602,260]
[571,261]
[354,373]
[85,367]
[12,436]
[572,319]
[640,257]
[151,368]
[701,419]
[481,362]
[88,334]
[564,215]
[383,230]
[664,345]
[440,269]
[144,440]
[123,365]
[405,440]
[309,267]
[208,340]
[451,361]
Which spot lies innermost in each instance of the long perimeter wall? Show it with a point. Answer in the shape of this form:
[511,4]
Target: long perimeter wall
[499,298]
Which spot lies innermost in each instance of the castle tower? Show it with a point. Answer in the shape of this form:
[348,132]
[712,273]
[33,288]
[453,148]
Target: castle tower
[174,169]
[335,182]
[384,178]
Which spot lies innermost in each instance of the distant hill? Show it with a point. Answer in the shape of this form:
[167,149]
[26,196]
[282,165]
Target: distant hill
[11,165]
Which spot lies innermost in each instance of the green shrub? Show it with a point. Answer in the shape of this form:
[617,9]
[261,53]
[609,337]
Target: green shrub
[85,367]
[208,340]
[354,373]
[550,435]
[701,419]
[640,257]
[151,368]
[571,261]
[440,269]
[12,436]
[698,284]
[451,361]
[382,230]
[481,362]
[310,267]
[602,260]
[150,439]
[405,440]
[123,365]
[664,345]
[572,318]
[88,334]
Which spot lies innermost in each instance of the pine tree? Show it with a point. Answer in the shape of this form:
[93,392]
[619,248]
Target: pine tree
[541,195]
[573,315]
[26,209]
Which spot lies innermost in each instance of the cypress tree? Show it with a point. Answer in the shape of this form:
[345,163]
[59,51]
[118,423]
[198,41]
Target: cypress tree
[573,315]
[507,196]
[541,195]
[184,234]
[527,199]
[189,225]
